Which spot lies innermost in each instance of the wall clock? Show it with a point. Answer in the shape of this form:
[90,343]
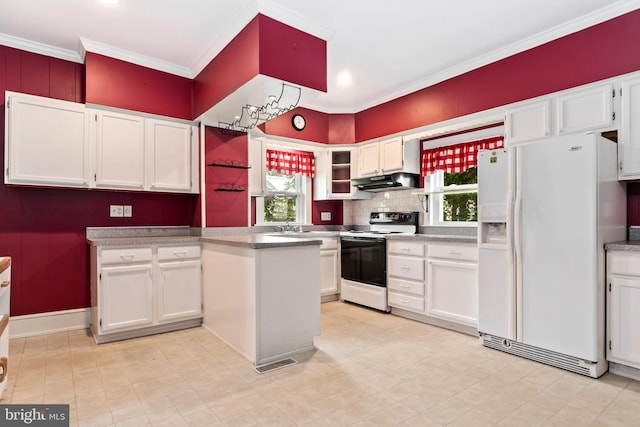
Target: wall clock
[298,122]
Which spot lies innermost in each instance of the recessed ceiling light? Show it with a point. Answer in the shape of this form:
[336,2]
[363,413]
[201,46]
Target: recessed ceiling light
[110,1]
[344,78]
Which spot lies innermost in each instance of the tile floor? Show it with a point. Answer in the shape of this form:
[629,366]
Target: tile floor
[369,369]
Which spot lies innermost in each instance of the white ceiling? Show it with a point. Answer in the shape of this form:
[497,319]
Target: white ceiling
[391,48]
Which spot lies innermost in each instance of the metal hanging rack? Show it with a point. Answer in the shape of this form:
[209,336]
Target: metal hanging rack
[251,115]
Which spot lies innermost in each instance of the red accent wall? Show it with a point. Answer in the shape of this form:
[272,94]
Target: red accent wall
[599,52]
[316,129]
[236,64]
[633,203]
[332,206]
[226,208]
[342,129]
[264,46]
[289,54]
[43,229]
[125,85]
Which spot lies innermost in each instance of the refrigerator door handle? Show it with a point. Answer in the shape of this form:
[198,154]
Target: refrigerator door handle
[517,237]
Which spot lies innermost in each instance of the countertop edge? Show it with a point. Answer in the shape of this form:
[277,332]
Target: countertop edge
[625,246]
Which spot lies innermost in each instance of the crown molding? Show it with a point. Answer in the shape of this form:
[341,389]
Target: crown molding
[125,55]
[40,48]
[541,38]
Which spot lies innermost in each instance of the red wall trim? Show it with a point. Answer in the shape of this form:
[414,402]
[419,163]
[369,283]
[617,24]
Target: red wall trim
[125,85]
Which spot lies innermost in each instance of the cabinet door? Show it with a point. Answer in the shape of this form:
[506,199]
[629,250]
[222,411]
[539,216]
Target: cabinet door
[328,272]
[47,142]
[392,155]
[629,135]
[126,297]
[179,290]
[368,159]
[119,150]
[528,122]
[624,321]
[169,155]
[585,109]
[452,291]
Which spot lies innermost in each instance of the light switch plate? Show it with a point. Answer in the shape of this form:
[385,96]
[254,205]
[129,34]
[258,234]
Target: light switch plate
[127,211]
[325,216]
[116,211]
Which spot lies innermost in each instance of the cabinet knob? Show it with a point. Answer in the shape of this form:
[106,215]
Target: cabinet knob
[129,257]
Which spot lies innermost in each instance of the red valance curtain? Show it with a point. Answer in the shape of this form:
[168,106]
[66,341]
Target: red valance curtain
[459,157]
[291,162]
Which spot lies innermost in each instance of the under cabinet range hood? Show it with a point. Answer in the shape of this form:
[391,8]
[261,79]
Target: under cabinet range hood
[394,181]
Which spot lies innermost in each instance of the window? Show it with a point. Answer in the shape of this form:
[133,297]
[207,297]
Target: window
[451,175]
[283,201]
[458,202]
[287,186]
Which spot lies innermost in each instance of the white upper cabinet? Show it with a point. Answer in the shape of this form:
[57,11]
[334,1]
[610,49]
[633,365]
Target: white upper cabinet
[46,142]
[585,109]
[169,155]
[528,122]
[65,144]
[334,169]
[629,132]
[392,155]
[119,150]
[369,160]
[389,156]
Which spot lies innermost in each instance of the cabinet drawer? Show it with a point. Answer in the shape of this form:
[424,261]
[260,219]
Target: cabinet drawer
[125,255]
[405,267]
[406,248]
[405,301]
[178,252]
[623,263]
[416,288]
[461,252]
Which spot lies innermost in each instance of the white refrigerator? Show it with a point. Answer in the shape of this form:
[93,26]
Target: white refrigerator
[546,209]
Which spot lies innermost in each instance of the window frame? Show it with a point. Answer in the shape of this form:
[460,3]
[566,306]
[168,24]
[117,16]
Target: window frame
[434,182]
[303,193]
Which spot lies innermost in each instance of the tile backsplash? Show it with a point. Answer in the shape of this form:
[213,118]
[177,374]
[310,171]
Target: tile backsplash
[356,212]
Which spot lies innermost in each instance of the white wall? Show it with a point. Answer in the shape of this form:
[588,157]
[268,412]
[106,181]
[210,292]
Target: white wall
[356,212]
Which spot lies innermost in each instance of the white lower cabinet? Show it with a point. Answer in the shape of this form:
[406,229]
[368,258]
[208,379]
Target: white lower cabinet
[179,283]
[126,296]
[138,291]
[406,275]
[623,308]
[452,283]
[329,270]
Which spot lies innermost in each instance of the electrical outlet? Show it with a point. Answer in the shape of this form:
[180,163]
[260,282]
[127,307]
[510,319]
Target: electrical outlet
[116,211]
[325,216]
[127,211]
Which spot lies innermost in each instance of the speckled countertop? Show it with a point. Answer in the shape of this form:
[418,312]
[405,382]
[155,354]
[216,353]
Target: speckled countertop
[625,245]
[261,241]
[142,241]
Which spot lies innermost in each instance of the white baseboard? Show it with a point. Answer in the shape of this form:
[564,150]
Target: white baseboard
[49,323]
[624,371]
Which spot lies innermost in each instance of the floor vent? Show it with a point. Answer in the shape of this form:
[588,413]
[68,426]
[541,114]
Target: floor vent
[547,357]
[274,365]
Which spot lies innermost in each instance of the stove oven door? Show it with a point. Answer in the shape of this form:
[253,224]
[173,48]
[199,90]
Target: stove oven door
[363,259]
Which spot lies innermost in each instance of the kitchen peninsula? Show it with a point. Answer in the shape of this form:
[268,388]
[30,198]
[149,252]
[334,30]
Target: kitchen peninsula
[261,293]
